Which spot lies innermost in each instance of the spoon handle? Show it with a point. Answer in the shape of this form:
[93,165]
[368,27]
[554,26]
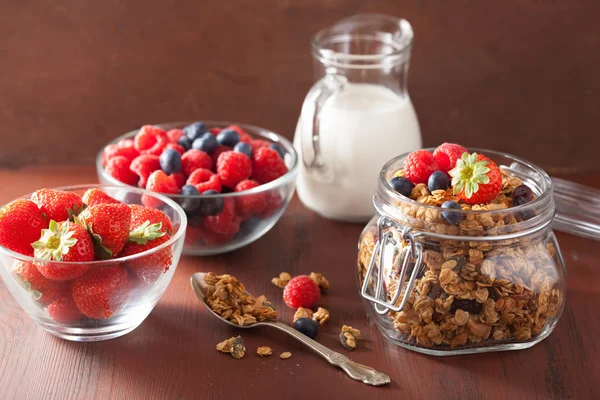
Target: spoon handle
[354,370]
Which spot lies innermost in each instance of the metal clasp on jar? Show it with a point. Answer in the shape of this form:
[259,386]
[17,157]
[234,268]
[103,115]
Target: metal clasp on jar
[414,251]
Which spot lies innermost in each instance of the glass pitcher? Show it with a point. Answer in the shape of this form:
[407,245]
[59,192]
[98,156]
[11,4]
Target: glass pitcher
[357,116]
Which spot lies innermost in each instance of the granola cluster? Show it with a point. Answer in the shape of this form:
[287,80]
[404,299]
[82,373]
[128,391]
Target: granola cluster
[228,298]
[349,337]
[321,315]
[471,292]
[233,346]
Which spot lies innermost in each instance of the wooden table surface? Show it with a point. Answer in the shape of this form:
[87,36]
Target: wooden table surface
[172,354]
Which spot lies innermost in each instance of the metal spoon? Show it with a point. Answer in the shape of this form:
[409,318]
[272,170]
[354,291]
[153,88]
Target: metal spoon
[354,370]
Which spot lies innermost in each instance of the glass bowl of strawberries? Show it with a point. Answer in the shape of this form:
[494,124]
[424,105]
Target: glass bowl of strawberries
[233,181]
[89,263]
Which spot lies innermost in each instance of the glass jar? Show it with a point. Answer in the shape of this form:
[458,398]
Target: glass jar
[494,281]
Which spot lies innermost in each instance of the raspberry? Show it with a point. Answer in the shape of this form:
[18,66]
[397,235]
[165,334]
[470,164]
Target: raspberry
[215,131]
[211,238]
[193,160]
[225,222]
[160,182]
[118,168]
[143,166]
[218,151]
[178,148]
[124,148]
[419,165]
[249,204]
[244,137]
[301,291]
[258,144]
[267,165]
[203,179]
[151,140]
[233,168]
[179,179]
[446,155]
[174,135]
[273,204]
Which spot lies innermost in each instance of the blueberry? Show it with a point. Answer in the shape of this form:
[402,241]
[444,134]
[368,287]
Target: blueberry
[185,142]
[451,217]
[244,148]
[438,181]
[228,137]
[211,206]
[189,204]
[195,130]
[307,326]
[402,185]
[521,195]
[207,143]
[249,225]
[170,161]
[278,149]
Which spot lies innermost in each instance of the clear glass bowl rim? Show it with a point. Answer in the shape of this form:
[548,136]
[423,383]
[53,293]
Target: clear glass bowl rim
[257,131]
[540,201]
[173,239]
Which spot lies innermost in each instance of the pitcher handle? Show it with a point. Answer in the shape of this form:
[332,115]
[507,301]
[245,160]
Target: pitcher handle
[329,86]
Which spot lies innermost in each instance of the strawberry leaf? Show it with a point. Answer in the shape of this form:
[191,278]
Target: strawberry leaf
[75,211]
[146,232]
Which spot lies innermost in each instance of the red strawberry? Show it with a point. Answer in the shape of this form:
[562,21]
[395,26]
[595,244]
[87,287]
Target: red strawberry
[151,140]
[102,291]
[193,160]
[233,167]
[119,168]
[249,204]
[64,309]
[446,155]
[141,214]
[57,205]
[109,226]
[476,179]
[148,268]
[143,166]
[21,223]
[41,289]
[418,165]
[92,197]
[267,165]
[65,241]
[226,221]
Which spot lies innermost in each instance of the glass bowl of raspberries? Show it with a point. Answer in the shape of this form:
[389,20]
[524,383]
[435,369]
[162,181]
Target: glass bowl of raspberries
[89,263]
[233,181]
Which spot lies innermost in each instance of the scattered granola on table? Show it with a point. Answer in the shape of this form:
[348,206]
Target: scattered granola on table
[302,312]
[321,282]
[285,355]
[349,337]
[321,316]
[467,292]
[264,351]
[234,346]
[281,280]
[228,298]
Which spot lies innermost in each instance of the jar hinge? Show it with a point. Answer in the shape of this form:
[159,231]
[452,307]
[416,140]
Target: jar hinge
[414,250]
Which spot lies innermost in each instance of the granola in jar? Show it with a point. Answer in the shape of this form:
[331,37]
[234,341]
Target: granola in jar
[491,274]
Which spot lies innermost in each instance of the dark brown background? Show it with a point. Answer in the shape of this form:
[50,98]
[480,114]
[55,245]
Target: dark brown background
[520,76]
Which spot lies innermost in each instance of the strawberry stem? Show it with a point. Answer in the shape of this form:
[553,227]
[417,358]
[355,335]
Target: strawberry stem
[146,232]
[54,242]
